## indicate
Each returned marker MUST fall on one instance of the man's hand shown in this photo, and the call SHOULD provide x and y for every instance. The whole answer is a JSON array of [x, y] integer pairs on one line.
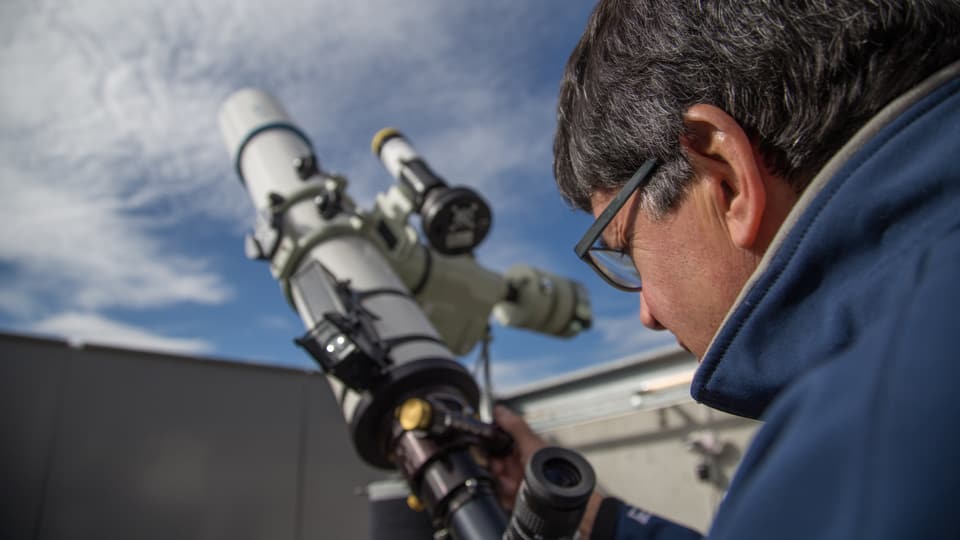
[[508, 470]]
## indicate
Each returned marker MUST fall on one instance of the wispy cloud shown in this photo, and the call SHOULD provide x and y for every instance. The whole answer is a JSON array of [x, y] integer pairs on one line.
[[508, 374], [109, 138], [501, 255], [111, 156], [78, 249], [279, 322], [89, 328], [626, 335]]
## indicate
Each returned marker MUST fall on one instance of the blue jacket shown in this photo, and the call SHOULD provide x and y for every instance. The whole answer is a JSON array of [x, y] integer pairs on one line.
[[844, 344]]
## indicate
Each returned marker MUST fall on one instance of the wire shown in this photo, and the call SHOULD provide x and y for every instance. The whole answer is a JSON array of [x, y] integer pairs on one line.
[[486, 395]]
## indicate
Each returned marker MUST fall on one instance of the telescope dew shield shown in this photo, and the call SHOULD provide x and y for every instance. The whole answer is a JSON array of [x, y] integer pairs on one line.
[[338, 282], [455, 220], [252, 115]]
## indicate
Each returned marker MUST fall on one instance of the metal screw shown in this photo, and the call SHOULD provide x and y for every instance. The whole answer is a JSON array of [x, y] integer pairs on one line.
[[306, 166]]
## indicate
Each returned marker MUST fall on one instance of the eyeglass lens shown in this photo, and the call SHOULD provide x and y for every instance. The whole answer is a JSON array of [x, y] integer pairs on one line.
[[617, 266]]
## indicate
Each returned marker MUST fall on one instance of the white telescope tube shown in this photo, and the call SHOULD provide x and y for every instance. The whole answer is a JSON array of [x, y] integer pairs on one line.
[[316, 254]]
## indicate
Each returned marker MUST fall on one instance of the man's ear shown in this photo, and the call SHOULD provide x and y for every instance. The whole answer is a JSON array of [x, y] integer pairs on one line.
[[722, 155]]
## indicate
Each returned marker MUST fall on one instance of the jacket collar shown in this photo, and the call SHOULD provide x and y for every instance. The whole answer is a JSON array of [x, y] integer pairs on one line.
[[782, 324]]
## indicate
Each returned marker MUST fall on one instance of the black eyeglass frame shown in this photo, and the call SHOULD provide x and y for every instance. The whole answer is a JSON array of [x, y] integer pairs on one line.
[[583, 247]]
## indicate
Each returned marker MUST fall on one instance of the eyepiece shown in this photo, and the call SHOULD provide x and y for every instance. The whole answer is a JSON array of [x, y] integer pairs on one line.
[[557, 484], [561, 473]]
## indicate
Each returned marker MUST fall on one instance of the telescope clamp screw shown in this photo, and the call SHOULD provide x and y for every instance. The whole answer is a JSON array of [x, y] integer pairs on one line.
[[306, 166], [329, 204]]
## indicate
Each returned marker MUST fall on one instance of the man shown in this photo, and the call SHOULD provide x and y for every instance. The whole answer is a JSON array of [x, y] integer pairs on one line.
[[785, 178]]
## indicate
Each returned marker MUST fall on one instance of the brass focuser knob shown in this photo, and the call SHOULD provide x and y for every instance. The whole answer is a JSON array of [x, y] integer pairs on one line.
[[414, 413]]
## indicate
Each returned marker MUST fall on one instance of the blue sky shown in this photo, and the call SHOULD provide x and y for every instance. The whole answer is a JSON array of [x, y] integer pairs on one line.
[[121, 221]]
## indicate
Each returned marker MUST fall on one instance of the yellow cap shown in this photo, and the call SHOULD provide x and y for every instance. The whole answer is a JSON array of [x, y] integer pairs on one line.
[[381, 137], [414, 503], [414, 413]]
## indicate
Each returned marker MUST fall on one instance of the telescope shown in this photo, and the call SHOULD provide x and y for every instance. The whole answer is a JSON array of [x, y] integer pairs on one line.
[[386, 315]]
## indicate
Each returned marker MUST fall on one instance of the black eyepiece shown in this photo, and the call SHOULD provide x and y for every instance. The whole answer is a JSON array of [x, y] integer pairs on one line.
[[557, 484], [561, 473]]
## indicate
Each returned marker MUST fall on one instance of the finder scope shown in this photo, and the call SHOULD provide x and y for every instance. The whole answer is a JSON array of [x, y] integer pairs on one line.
[[455, 220]]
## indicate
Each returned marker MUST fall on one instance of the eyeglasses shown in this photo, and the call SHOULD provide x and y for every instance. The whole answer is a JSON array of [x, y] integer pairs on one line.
[[614, 266]]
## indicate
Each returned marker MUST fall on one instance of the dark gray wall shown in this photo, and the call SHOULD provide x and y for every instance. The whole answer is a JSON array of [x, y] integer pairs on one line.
[[107, 443]]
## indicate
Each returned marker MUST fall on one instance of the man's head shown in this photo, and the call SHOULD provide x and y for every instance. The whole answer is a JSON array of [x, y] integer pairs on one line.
[[740, 103]]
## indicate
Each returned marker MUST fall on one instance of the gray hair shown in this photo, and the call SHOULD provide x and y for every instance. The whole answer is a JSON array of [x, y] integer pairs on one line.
[[799, 76]]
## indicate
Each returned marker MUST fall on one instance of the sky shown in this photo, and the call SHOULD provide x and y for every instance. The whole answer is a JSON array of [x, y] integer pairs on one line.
[[122, 221]]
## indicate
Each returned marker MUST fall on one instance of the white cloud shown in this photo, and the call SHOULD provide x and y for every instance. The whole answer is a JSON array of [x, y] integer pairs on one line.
[[509, 374], [286, 323], [79, 250], [626, 335], [83, 328], [499, 254]]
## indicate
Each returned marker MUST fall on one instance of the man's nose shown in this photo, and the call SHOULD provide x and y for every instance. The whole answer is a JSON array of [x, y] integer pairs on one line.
[[647, 318]]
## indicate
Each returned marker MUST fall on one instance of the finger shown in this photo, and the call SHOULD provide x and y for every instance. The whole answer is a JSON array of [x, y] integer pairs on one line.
[[508, 491], [526, 442], [510, 421]]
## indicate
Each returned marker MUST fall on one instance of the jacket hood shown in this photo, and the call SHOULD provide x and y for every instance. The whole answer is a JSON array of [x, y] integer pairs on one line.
[[835, 259]]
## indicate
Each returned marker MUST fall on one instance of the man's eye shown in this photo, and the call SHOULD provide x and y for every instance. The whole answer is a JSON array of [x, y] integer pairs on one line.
[[607, 247]]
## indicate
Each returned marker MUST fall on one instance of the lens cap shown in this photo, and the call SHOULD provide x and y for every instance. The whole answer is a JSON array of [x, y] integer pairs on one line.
[[455, 220]]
